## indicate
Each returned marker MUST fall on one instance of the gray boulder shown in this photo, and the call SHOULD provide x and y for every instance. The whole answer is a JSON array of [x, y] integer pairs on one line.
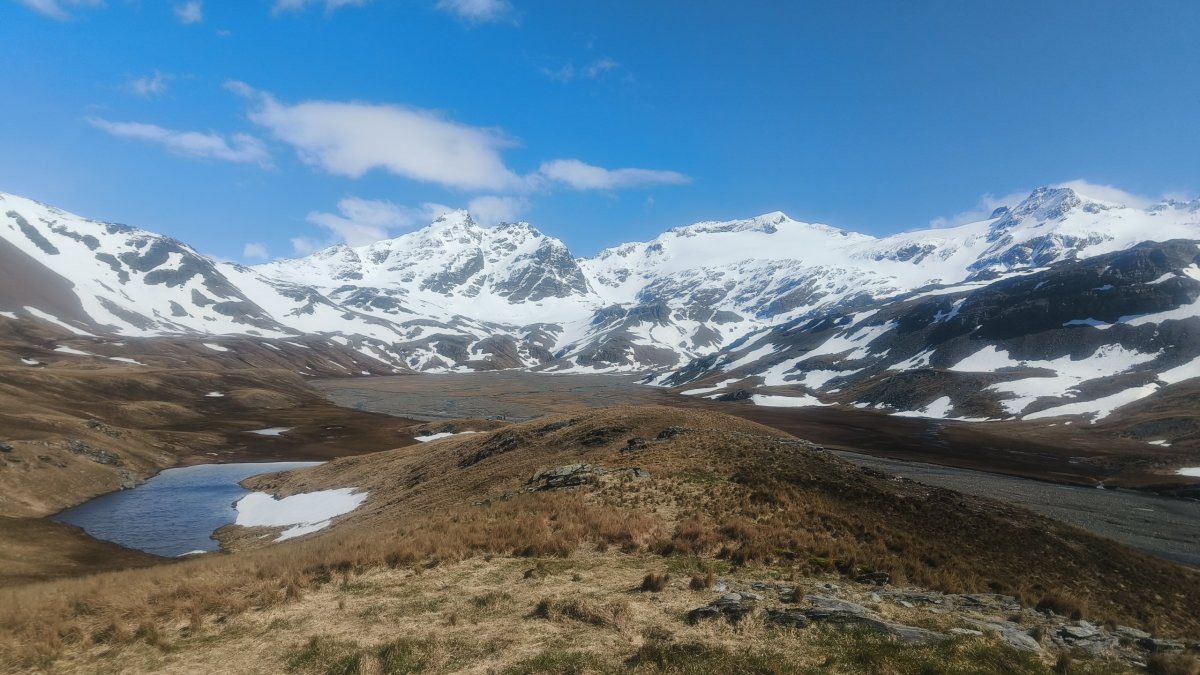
[[732, 609], [1013, 634]]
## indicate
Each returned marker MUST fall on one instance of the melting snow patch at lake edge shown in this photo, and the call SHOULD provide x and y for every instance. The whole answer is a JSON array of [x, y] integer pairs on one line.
[[444, 434], [1190, 471], [301, 514]]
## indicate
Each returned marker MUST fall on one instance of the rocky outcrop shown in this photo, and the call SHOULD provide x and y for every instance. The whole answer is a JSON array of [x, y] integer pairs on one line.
[[957, 616], [576, 475]]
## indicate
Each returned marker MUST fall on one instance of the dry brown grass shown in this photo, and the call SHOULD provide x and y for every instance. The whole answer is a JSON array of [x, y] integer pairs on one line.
[[654, 582], [397, 620], [702, 582], [1063, 604], [725, 490]]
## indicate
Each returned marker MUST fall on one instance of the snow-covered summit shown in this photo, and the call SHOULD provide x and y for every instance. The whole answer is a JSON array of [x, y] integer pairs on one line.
[[455, 294]]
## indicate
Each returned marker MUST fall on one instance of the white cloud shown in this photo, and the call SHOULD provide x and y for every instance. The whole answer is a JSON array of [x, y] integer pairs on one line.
[[350, 139], [346, 230], [477, 11], [154, 85], [988, 203], [564, 74], [582, 176], [491, 210], [305, 245], [364, 221], [599, 67], [299, 5], [591, 71], [1106, 193], [190, 12], [241, 148], [255, 250], [55, 8], [1179, 196], [981, 211]]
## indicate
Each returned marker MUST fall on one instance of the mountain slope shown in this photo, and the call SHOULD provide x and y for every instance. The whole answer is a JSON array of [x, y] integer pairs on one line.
[[1051, 333], [1059, 285]]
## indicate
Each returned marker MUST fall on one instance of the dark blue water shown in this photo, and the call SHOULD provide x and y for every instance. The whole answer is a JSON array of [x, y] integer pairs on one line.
[[173, 513]]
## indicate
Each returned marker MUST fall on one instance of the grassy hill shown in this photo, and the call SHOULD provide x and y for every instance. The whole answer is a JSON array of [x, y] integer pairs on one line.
[[583, 543]]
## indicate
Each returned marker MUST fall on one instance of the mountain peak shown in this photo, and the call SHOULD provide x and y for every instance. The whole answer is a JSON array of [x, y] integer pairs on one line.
[[1042, 205], [454, 218], [767, 223]]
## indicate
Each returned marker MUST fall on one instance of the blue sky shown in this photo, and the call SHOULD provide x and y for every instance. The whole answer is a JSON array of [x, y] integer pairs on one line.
[[291, 124]]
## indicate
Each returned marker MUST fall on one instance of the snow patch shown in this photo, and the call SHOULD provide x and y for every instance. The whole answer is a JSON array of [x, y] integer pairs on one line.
[[57, 321], [69, 350], [1094, 323], [1187, 371], [271, 431], [215, 347], [801, 401], [444, 434], [302, 514], [1098, 408], [750, 357], [708, 390], [939, 408]]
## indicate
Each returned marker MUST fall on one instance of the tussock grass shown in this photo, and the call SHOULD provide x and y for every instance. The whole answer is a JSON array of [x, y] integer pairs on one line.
[[328, 656], [607, 615], [654, 582], [1177, 664], [1063, 604], [702, 582]]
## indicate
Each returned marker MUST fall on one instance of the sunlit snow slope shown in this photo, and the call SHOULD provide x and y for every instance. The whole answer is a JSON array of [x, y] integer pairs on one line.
[[1056, 305]]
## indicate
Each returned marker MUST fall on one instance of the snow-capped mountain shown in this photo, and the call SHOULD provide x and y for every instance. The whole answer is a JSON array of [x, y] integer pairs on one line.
[[780, 307]]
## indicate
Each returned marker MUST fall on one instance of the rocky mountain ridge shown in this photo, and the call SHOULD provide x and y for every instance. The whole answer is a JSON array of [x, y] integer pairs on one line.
[[771, 309]]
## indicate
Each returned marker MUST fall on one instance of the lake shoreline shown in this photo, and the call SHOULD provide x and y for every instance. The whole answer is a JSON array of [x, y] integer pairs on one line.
[[176, 512]]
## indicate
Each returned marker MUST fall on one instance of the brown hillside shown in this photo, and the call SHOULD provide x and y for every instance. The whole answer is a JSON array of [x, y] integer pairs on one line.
[[724, 487]]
